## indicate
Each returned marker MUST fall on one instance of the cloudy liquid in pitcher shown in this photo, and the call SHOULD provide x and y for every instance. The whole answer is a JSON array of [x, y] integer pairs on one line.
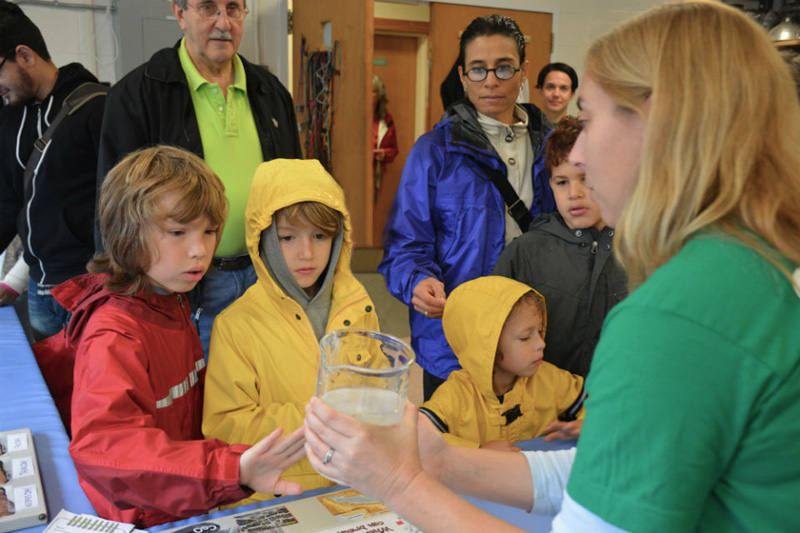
[[374, 406]]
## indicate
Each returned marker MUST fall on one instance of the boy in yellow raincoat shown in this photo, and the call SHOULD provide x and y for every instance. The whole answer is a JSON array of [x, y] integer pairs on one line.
[[504, 392], [264, 351]]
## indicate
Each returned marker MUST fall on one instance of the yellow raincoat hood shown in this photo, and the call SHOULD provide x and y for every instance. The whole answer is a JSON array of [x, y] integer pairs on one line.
[[473, 318], [465, 406], [283, 182]]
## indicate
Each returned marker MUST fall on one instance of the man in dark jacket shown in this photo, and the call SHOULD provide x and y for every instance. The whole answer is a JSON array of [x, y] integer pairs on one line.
[[202, 96], [54, 213]]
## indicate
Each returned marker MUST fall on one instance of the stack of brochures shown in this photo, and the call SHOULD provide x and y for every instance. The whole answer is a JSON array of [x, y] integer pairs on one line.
[[21, 497]]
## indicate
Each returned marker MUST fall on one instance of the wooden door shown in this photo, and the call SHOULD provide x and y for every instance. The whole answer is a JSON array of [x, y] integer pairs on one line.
[[395, 61], [447, 23], [351, 24]]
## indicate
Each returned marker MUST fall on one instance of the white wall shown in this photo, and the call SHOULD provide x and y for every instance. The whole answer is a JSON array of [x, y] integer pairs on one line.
[[82, 35]]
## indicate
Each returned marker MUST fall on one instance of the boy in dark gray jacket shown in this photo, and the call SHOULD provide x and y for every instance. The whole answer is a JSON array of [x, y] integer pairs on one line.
[[567, 256]]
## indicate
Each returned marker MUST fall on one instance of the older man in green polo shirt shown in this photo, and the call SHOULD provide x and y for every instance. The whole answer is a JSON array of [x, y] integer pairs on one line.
[[202, 96]]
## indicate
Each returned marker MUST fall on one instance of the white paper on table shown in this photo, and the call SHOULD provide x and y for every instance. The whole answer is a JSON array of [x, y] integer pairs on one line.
[[67, 522]]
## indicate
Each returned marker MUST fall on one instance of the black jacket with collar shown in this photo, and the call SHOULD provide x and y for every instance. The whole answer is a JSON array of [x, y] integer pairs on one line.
[[152, 105], [54, 217]]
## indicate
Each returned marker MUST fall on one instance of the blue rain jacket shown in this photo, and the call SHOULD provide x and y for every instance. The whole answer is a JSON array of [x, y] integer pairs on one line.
[[447, 220]]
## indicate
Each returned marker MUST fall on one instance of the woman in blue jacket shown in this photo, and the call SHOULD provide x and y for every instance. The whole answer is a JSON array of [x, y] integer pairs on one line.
[[449, 221]]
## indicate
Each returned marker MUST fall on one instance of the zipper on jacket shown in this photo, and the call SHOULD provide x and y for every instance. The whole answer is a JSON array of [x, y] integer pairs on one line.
[[196, 317], [39, 120], [595, 244]]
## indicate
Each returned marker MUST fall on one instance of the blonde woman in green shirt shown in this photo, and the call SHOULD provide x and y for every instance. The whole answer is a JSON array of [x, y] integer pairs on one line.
[[690, 145]]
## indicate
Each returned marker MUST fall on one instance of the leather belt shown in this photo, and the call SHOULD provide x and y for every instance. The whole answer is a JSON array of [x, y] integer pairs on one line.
[[234, 262]]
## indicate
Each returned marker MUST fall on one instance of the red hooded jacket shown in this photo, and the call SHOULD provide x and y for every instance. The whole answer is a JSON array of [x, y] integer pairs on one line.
[[137, 407]]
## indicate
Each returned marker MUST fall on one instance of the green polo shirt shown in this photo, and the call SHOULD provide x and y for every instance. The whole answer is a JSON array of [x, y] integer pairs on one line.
[[230, 143]]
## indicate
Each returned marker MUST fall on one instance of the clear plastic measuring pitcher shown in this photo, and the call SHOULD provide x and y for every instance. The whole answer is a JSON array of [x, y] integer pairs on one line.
[[364, 374]]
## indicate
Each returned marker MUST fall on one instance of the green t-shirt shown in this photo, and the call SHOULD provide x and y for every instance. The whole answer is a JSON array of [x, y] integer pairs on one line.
[[693, 416], [231, 146]]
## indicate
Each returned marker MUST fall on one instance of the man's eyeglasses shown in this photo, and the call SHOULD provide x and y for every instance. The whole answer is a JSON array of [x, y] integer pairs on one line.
[[210, 11], [503, 72]]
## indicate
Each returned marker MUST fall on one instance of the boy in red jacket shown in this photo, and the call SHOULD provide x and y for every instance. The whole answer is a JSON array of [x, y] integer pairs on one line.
[[139, 367]]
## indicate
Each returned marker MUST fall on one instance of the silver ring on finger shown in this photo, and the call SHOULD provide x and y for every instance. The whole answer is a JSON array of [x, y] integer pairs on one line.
[[426, 314], [328, 456]]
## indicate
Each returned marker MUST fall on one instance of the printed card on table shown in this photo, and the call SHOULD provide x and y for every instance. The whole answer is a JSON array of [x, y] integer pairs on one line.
[[22, 502]]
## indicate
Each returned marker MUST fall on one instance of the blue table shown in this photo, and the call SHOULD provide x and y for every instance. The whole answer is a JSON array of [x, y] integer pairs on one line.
[[26, 403], [518, 517]]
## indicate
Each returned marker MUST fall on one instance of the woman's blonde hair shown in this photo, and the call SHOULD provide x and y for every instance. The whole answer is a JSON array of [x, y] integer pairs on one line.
[[129, 207], [380, 88], [721, 145]]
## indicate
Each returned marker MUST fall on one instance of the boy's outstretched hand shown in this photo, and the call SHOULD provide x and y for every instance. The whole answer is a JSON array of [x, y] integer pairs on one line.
[[261, 466], [559, 430]]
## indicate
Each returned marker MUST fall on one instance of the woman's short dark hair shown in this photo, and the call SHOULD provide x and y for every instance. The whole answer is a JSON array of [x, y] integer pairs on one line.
[[557, 67], [489, 25]]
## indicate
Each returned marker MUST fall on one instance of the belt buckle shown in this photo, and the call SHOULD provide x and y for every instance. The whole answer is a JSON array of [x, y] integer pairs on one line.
[[237, 262]]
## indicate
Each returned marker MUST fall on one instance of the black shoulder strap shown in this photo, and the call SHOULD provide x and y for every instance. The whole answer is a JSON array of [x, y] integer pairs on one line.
[[74, 101], [514, 205]]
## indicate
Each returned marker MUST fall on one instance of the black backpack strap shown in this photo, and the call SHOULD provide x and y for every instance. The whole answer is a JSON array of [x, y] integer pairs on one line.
[[74, 101], [514, 205]]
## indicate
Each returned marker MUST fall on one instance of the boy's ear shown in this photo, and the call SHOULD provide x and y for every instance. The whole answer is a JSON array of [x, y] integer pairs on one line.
[[498, 356]]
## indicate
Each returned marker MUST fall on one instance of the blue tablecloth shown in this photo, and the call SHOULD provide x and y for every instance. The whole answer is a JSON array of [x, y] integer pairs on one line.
[[26, 403], [518, 517]]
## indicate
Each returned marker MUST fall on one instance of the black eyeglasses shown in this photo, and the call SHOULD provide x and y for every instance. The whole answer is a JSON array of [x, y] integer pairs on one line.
[[2, 63], [503, 72], [210, 11]]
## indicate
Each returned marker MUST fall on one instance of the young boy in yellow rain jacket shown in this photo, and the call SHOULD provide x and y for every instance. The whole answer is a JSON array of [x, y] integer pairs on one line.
[[264, 350], [504, 392]]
